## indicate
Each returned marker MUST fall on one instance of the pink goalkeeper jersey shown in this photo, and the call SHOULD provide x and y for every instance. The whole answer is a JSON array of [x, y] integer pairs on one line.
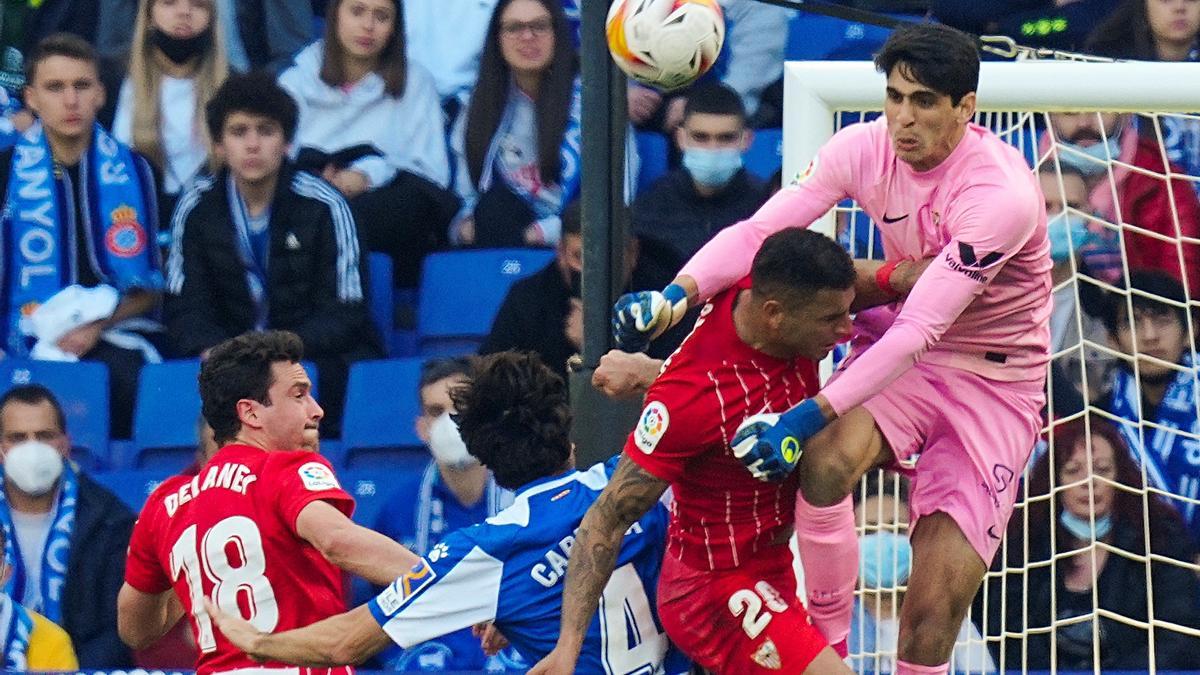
[[984, 303]]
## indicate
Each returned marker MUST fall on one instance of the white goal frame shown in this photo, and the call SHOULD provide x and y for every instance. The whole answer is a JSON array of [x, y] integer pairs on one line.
[[815, 90]]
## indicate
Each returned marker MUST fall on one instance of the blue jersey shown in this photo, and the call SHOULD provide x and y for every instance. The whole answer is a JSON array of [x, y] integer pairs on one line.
[[511, 569]]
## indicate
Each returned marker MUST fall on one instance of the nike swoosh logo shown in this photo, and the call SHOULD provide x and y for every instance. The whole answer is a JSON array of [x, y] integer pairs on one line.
[[897, 219]]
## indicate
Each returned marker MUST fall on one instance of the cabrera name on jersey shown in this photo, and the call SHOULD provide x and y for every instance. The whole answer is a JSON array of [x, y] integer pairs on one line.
[[511, 569]]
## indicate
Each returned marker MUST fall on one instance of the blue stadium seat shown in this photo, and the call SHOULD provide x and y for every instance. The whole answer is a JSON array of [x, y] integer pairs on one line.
[[372, 488], [381, 301], [82, 391], [765, 155], [812, 37], [381, 407], [462, 290], [652, 152], [132, 486], [168, 409]]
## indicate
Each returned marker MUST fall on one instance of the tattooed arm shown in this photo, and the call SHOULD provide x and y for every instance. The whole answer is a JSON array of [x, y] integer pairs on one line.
[[630, 494]]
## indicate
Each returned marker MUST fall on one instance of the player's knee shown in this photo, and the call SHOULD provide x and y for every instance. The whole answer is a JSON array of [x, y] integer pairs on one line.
[[825, 478], [929, 627]]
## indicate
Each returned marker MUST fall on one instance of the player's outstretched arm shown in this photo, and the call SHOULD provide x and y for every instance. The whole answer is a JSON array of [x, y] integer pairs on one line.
[[878, 282], [642, 316], [630, 494], [352, 547], [143, 618], [625, 375], [343, 639]]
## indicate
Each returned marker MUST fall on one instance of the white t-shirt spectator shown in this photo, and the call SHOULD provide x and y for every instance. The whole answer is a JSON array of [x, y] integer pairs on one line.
[[182, 140]]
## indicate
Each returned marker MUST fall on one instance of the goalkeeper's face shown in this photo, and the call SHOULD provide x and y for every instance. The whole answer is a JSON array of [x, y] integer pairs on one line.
[[924, 124]]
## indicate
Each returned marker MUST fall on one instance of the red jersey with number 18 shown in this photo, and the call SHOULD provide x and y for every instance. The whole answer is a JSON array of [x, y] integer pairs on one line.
[[229, 533], [722, 517]]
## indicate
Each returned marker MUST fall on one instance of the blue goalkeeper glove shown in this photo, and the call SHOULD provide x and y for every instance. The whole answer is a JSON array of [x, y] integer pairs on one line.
[[640, 317], [769, 444]]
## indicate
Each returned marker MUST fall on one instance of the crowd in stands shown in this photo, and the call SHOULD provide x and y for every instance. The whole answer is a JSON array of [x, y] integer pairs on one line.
[[177, 172]]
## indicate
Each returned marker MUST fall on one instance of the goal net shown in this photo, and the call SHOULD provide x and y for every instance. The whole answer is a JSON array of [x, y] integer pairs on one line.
[[1099, 569]]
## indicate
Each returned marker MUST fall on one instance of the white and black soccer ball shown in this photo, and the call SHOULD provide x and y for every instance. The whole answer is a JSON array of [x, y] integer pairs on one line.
[[665, 44]]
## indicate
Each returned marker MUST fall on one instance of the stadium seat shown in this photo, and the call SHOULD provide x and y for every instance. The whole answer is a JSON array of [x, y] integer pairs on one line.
[[82, 391], [461, 292], [372, 488], [812, 37], [168, 409], [652, 152], [381, 301], [132, 486], [381, 407], [765, 155]]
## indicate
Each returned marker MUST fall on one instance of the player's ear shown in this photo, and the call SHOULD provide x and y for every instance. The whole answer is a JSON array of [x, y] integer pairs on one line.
[[773, 314], [247, 412], [966, 107]]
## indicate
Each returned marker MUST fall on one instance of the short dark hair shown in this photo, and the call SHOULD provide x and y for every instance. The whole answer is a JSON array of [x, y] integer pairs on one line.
[[714, 99], [1155, 282], [253, 93], [60, 44], [33, 394], [515, 417], [795, 262], [939, 57], [240, 368], [436, 370], [572, 218], [1063, 169]]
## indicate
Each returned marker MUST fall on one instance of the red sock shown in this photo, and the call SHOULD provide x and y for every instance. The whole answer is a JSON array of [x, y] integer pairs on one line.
[[828, 548], [906, 668]]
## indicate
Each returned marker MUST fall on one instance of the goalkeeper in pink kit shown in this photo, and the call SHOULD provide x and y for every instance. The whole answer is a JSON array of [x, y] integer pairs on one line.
[[950, 383]]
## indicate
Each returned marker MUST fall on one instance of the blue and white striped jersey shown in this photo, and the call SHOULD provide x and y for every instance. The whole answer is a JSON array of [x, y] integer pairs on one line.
[[511, 569]]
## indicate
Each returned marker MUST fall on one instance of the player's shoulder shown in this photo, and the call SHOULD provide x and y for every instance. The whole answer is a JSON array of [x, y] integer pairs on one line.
[[159, 494]]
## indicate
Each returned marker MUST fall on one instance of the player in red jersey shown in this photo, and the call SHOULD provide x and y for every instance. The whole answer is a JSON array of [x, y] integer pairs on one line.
[[727, 593], [263, 528]]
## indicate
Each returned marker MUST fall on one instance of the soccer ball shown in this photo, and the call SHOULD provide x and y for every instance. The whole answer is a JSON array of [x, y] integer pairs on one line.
[[665, 44]]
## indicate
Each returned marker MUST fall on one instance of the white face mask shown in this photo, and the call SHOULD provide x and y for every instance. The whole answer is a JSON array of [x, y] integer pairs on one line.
[[447, 445], [33, 467]]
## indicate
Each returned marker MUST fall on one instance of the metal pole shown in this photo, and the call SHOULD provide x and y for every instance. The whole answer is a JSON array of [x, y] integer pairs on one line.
[[600, 424]]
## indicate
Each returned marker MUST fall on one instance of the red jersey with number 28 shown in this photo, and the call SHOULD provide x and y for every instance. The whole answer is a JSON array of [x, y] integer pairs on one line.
[[229, 533], [722, 517]]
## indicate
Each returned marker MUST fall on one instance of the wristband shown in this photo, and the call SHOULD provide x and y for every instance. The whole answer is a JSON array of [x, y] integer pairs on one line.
[[883, 277]]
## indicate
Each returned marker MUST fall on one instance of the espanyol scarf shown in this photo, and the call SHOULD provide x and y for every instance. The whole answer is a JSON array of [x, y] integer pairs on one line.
[[58, 546], [33, 229], [1172, 460], [431, 523], [256, 272], [16, 627]]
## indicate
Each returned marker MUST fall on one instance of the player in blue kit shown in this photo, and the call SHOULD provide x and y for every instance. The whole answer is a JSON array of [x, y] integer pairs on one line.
[[514, 417]]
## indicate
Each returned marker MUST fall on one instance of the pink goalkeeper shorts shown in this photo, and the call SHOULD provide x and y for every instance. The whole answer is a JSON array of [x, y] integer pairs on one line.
[[970, 438]]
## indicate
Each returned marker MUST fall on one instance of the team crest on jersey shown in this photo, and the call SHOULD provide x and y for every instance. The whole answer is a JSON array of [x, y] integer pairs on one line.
[[651, 426], [807, 173], [316, 477], [767, 656], [403, 589]]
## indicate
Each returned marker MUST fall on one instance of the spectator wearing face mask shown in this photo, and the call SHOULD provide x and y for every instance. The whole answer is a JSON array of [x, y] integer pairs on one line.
[[455, 492], [884, 563], [66, 535], [686, 207], [1095, 142]]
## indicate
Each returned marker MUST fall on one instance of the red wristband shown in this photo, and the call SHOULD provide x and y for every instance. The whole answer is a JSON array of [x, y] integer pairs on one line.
[[883, 277]]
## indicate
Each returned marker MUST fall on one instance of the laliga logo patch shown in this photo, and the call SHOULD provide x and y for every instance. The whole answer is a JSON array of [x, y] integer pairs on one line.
[[651, 427], [806, 173], [316, 476], [125, 238], [791, 449]]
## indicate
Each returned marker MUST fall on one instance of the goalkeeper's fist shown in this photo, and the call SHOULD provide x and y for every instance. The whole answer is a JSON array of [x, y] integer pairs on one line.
[[769, 445], [640, 317]]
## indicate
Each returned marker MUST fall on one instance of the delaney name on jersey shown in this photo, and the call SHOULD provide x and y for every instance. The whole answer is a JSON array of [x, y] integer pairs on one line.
[[236, 477]]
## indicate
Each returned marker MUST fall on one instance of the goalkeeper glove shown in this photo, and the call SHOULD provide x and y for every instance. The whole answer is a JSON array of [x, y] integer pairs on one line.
[[640, 317], [769, 444]]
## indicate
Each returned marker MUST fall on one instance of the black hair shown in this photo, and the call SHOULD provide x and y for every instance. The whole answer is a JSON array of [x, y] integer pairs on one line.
[[515, 417], [436, 370], [714, 99], [60, 44], [572, 218], [940, 57], [240, 368], [1064, 169], [552, 108], [1155, 282], [34, 394], [794, 262], [253, 93]]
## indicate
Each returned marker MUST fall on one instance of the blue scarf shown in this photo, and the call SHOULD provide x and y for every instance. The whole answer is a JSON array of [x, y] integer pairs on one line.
[[58, 546], [34, 229], [256, 274], [432, 525], [16, 626], [1172, 460]]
